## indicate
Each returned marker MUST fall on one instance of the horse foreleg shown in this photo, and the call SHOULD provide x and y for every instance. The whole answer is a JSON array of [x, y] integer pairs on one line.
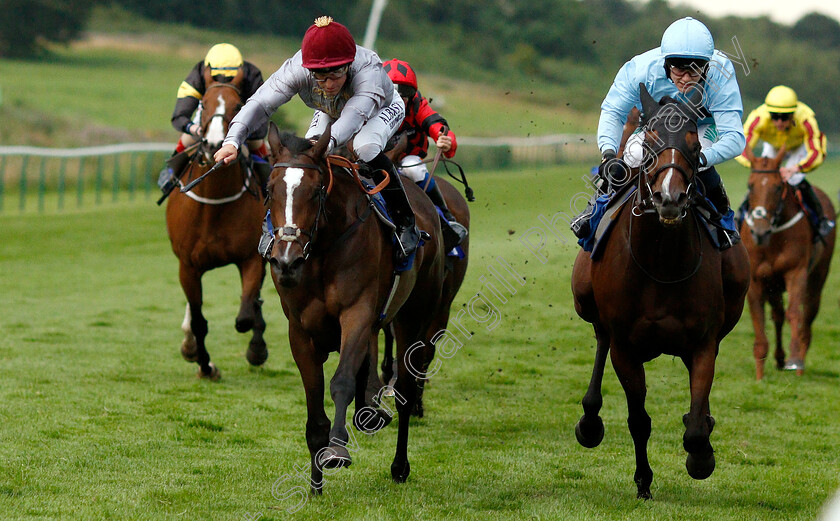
[[369, 416], [755, 298], [195, 325], [252, 273], [631, 374], [777, 308], [699, 423], [795, 282], [590, 428], [355, 336], [311, 366]]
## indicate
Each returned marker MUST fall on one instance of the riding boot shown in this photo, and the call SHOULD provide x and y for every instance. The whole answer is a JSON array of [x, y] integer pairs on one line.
[[453, 231], [398, 204], [720, 201], [580, 225], [809, 197]]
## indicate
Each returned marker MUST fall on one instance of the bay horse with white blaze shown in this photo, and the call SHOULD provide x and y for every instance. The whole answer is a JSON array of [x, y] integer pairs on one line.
[[333, 267], [216, 224], [784, 258], [660, 287]]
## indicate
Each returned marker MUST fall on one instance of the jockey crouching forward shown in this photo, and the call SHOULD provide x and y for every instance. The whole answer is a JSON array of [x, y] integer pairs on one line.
[[421, 123], [783, 120], [686, 60], [347, 86], [225, 62]]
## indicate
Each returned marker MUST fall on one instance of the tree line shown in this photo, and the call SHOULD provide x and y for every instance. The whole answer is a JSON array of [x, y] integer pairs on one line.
[[578, 44]]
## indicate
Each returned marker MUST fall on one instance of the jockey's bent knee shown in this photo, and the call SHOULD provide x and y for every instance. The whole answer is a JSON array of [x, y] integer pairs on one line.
[[367, 151], [413, 168]]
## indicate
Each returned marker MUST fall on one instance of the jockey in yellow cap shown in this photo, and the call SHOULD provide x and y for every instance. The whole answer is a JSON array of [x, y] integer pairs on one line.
[[225, 62], [784, 120]]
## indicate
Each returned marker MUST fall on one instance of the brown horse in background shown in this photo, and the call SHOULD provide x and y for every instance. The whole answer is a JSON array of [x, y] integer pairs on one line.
[[216, 224], [455, 271], [333, 267], [784, 257], [660, 287]]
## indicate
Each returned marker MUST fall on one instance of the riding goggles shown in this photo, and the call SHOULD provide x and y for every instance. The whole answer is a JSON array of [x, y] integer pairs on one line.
[[406, 91], [322, 75], [780, 116]]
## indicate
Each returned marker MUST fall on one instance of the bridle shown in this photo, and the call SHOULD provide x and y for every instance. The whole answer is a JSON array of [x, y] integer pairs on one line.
[[292, 234], [760, 212], [672, 141]]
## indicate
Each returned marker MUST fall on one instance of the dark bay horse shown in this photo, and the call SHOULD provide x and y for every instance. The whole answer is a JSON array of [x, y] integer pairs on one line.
[[455, 271], [660, 287], [216, 224], [333, 267], [784, 258]]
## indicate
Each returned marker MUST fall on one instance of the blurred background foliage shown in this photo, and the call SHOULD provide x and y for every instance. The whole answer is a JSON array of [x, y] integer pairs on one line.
[[573, 46]]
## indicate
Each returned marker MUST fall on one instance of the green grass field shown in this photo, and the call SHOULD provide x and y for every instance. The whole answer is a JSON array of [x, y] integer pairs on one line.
[[102, 419]]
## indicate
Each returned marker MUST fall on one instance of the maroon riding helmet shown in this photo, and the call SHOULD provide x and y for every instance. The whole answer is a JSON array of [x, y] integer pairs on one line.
[[327, 44]]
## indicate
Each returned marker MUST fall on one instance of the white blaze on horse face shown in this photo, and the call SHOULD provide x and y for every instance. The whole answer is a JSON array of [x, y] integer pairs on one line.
[[666, 184], [292, 179], [216, 130]]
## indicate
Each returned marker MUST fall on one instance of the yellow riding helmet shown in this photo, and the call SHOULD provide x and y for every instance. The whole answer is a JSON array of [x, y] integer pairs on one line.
[[781, 100], [223, 58]]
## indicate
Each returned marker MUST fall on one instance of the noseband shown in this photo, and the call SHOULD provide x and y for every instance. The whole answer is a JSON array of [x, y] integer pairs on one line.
[[760, 212], [293, 233]]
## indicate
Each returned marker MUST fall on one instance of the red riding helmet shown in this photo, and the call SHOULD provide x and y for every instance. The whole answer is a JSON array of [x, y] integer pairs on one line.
[[327, 44], [400, 73]]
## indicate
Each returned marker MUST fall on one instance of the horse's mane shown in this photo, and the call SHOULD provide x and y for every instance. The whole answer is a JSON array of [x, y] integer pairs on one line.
[[296, 145]]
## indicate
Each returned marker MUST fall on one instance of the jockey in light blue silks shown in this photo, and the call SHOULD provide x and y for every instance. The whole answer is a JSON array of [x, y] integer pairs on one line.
[[686, 60]]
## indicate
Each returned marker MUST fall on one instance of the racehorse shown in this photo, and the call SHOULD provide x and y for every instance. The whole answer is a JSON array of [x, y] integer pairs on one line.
[[660, 287], [455, 271], [216, 224], [333, 267], [783, 257]]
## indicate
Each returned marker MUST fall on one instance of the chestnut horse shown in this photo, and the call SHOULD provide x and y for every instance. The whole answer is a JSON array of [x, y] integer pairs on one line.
[[784, 257], [333, 267], [660, 287], [216, 224]]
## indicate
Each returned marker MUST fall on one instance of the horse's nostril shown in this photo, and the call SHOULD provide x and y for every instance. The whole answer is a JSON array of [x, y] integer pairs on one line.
[[657, 198], [682, 199], [275, 263]]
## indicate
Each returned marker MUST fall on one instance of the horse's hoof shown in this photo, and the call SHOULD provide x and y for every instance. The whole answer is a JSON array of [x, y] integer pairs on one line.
[[256, 354], [795, 365], [643, 494], [399, 473], [372, 423], [334, 457], [244, 324], [212, 373], [189, 349], [591, 433], [418, 408], [700, 466]]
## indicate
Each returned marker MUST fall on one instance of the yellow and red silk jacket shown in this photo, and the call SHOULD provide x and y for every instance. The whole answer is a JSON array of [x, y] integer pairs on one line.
[[803, 129]]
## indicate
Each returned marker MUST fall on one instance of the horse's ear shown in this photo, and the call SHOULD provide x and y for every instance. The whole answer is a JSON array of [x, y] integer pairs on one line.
[[239, 79], [649, 105], [320, 148], [695, 99], [781, 155], [208, 79], [274, 139]]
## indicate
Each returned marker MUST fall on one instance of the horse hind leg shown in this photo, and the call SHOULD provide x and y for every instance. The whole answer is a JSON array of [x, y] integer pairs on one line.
[[589, 430], [194, 326], [778, 313], [250, 318]]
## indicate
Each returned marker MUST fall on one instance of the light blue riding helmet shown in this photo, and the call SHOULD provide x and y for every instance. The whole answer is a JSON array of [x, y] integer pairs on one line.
[[687, 38]]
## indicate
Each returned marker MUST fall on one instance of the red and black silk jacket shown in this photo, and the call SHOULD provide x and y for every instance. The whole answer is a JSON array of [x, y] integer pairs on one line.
[[421, 122]]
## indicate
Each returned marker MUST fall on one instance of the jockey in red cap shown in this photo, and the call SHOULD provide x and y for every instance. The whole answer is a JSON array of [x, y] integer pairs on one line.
[[348, 88], [422, 122]]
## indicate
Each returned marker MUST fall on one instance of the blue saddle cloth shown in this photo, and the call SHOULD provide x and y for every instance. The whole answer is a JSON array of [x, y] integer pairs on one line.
[[609, 203], [381, 211]]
